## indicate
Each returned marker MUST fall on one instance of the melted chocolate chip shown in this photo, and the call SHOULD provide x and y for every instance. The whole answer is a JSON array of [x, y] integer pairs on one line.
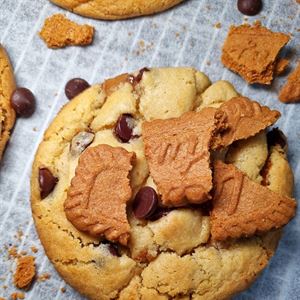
[[47, 182], [159, 213], [276, 137], [23, 102], [134, 80], [145, 203], [75, 86], [112, 248], [249, 7], [124, 128]]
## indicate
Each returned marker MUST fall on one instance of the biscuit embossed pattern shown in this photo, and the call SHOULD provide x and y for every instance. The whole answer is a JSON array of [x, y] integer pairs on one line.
[[157, 250], [184, 36]]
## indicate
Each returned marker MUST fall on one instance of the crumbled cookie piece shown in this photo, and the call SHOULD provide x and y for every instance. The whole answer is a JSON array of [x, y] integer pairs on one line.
[[251, 51], [98, 194], [25, 272], [290, 92], [178, 154], [17, 295], [281, 66], [59, 32], [245, 118], [242, 207]]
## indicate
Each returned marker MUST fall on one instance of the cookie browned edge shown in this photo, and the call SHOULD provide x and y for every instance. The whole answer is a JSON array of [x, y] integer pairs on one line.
[[268, 242], [7, 86], [115, 10]]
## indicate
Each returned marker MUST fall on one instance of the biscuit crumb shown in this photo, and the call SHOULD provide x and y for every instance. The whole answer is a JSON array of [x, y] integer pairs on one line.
[[17, 295], [281, 66], [218, 25], [63, 290], [34, 249], [59, 32], [25, 272], [252, 51], [13, 252], [290, 92], [44, 277]]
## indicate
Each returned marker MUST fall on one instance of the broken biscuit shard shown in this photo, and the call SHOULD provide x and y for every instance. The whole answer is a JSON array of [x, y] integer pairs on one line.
[[290, 92], [245, 118], [252, 52], [98, 194], [242, 207], [59, 32], [178, 154]]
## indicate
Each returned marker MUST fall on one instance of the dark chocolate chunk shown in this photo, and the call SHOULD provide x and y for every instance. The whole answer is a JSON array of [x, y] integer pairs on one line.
[[134, 80], [145, 203], [47, 182], [276, 137], [23, 102], [124, 128], [75, 86], [249, 7]]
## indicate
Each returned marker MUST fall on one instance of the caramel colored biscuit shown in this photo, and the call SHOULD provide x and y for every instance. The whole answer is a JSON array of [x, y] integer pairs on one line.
[[99, 192], [7, 86], [25, 272], [242, 207], [281, 66], [115, 9], [245, 118], [251, 51], [290, 92], [178, 153], [59, 32]]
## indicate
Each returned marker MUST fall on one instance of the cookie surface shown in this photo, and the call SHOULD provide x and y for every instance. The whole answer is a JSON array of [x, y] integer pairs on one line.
[[115, 9], [7, 86], [171, 257]]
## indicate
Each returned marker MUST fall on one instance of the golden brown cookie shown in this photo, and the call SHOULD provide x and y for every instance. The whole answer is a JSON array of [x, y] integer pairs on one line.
[[115, 9], [59, 32], [290, 92], [7, 86], [170, 254], [252, 51]]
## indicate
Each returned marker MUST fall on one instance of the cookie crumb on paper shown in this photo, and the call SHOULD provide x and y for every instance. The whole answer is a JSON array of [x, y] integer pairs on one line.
[[17, 295], [44, 277], [59, 32], [25, 272]]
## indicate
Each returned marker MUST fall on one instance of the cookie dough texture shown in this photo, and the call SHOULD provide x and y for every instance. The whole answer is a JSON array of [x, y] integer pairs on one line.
[[173, 257], [115, 9], [7, 86]]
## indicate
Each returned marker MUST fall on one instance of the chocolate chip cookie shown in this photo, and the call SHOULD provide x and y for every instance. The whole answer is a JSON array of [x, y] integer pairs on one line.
[[7, 86], [114, 10], [127, 185]]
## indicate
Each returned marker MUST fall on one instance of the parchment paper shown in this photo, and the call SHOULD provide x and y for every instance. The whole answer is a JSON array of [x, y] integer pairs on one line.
[[183, 36]]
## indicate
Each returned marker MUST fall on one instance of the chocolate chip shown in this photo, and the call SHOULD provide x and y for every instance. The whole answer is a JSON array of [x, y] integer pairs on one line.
[[124, 128], [75, 86], [23, 102], [112, 248], [80, 141], [159, 213], [276, 137], [145, 203], [134, 80], [249, 7], [47, 182]]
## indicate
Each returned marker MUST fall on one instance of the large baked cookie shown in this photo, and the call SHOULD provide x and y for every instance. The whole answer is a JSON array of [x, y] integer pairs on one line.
[[115, 9], [112, 238], [7, 86]]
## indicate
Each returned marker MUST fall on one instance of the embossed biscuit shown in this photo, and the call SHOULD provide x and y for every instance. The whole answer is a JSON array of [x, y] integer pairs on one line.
[[290, 92], [116, 9], [242, 207], [251, 51], [245, 118], [7, 86], [178, 154], [99, 192]]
